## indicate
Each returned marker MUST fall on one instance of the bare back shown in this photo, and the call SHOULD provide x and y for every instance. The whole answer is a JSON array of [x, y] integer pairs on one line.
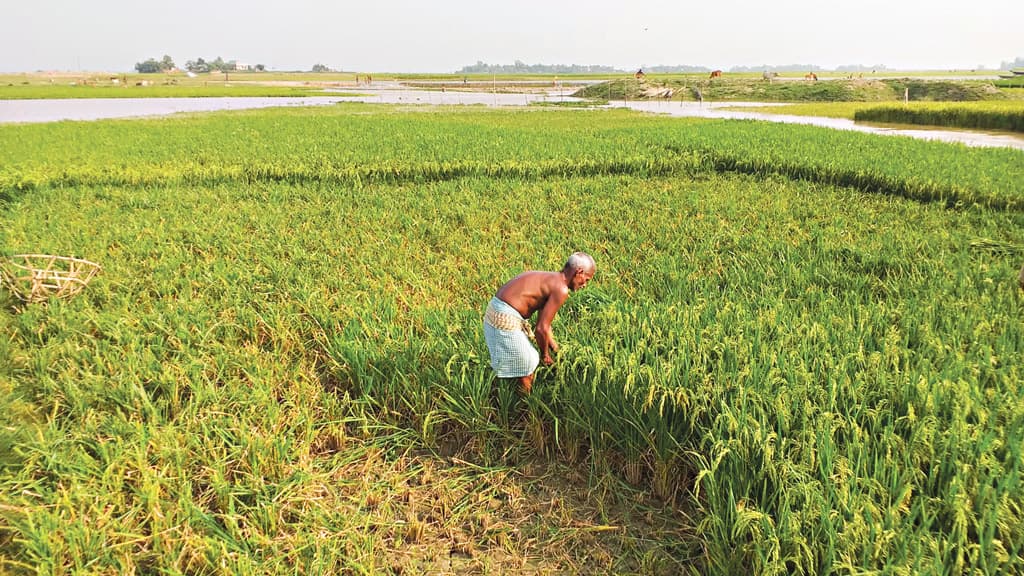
[[530, 291]]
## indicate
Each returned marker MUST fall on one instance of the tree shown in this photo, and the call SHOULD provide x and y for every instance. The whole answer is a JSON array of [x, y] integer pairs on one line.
[[260, 67], [150, 66], [320, 68], [197, 65]]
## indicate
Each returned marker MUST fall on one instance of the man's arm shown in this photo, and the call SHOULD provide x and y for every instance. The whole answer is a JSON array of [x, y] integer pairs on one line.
[[545, 339]]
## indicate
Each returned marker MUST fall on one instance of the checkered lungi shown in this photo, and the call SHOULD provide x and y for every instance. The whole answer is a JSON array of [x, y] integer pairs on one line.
[[508, 340]]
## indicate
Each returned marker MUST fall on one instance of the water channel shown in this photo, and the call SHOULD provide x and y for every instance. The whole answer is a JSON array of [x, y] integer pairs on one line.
[[722, 110], [32, 111]]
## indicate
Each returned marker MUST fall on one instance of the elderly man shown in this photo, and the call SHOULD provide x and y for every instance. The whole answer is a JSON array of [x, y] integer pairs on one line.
[[507, 329]]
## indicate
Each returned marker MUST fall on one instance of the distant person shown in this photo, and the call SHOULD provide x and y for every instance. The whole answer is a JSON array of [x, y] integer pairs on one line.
[[506, 324]]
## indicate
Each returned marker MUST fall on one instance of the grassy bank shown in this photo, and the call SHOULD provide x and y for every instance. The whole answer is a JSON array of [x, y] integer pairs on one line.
[[793, 90], [1017, 82], [802, 348], [948, 115]]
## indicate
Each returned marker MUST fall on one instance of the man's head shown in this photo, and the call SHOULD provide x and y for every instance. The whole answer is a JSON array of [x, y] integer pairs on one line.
[[578, 270]]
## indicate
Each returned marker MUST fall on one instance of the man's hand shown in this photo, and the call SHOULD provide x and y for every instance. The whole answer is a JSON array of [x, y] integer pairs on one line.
[[548, 361], [554, 345]]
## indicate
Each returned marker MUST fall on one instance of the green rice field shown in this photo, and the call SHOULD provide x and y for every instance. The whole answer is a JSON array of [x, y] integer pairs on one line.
[[802, 352], [1009, 118], [1004, 115]]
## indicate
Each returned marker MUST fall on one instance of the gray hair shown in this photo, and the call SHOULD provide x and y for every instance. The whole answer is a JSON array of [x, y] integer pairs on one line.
[[580, 261]]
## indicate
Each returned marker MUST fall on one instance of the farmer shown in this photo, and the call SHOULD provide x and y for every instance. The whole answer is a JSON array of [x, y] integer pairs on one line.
[[507, 329]]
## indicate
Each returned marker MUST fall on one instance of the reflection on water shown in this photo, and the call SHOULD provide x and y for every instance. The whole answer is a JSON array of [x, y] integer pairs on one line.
[[101, 108]]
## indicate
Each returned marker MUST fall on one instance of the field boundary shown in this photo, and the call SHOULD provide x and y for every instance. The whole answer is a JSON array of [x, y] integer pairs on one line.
[[681, 159], [951, 196]]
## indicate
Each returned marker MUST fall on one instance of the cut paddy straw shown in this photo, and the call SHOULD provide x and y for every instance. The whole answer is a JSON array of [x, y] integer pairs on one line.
[[38, 277]]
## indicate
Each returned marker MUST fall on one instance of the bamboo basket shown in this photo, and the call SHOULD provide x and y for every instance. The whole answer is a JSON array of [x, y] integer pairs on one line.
[[38, 277]]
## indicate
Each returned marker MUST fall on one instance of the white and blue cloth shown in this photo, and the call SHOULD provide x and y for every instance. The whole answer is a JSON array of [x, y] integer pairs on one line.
[[508, 341]]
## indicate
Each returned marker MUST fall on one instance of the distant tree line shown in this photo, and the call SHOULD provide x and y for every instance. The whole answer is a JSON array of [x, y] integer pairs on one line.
[[216, 65], [1017, 63], [860, 68], [807, 68], [780, 68], [679, 69], [522, 68], [152, 65], [166, 64]]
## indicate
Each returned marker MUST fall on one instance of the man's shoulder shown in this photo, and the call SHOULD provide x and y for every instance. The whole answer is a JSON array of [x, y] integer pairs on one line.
[[542, 282], [555, 284], [542, 276]]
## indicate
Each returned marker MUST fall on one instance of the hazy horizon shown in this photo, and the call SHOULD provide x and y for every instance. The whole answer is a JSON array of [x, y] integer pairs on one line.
[[404, 36]]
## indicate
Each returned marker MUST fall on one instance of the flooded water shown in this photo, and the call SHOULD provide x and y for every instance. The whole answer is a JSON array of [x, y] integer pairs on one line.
[[458, 97], [722, 110], [19, 111], [54, 110]]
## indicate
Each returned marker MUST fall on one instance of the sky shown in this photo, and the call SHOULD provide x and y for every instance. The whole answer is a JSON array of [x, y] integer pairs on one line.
[[445, 35]]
